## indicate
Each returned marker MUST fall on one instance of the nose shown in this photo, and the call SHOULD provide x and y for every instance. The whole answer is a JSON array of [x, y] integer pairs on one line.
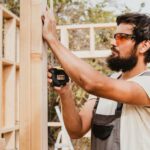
[[113, 42]]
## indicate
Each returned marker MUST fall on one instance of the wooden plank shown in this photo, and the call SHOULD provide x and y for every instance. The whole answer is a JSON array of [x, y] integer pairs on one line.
[[33, 60], [9, 95], [17, 44], [64, 37], [9, 39], [87, 26], [93, 54], [8, 14], [9, 140], [1, 102], [9, 129], [1, 32], [2, 144], [17, 97], [39, 80], [25, 99], [7, 62], [92, 39], [17, 140], [54, 124]]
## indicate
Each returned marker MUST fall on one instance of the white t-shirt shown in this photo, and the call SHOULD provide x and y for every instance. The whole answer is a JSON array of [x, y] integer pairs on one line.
[[135, 120]]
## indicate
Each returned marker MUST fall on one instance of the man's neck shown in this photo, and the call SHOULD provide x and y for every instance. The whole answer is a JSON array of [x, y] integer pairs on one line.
[[135, 71]]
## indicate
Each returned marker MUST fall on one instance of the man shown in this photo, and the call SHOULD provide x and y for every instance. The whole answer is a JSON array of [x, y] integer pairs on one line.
[[121, 119]]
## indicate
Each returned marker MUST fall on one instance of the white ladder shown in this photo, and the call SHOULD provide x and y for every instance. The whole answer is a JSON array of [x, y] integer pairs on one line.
[[63, 140]]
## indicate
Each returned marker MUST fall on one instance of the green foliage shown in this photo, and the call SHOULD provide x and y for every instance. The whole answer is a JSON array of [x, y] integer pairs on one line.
[[103, 38], [14, 6], [98, 15], [73, 12]]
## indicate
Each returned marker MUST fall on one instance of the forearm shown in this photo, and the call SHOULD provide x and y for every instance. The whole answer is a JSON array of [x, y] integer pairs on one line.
[[81, 72], [72, 120]]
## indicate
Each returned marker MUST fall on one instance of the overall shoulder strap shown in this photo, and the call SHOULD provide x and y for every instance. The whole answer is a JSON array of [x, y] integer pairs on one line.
[[147, 73], [96, 104]]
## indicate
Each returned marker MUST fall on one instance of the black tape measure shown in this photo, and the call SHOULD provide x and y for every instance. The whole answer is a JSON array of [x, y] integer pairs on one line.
[[59, 77]]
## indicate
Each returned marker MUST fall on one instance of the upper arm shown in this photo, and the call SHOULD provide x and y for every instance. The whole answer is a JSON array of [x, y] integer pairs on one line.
[[131, 92], [86, 114]]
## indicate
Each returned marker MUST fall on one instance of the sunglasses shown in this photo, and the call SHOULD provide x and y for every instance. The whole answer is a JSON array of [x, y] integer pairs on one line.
[[123, 37]]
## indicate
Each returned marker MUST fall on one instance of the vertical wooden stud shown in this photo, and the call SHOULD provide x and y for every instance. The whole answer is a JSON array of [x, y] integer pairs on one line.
[[64, 37], [1, 32], [17, 44], [33, 78], [1, 92], [92, 39]]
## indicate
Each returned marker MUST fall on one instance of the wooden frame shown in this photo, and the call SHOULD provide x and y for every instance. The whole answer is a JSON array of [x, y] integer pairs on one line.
[[23, 75], [9, 129], [91, 52]]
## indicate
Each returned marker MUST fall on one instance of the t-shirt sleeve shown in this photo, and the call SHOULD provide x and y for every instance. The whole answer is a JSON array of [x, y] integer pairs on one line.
[[144, 82], [91, 97]]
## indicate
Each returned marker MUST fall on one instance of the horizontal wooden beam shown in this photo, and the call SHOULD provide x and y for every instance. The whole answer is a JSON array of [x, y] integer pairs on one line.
[[9, 129], [87, 26], [7, 62], [8, 14], [54, 124], [92, 54]]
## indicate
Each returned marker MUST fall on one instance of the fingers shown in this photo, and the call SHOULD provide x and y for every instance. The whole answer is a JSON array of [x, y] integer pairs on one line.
[[49, 75], [51, 14], [49, 80], [47, 8], [43, 18], [57, 88]]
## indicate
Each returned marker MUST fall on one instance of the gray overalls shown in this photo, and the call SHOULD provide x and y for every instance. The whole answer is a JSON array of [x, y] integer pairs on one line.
[[106, 130]]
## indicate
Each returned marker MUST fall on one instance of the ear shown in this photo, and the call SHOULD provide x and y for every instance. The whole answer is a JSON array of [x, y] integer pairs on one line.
[[144, 46]]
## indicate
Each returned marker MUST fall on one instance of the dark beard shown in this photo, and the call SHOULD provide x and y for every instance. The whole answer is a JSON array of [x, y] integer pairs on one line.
[[122, 64]]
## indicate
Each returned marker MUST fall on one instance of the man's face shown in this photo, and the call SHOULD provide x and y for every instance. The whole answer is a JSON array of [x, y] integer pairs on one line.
[[123, 57]]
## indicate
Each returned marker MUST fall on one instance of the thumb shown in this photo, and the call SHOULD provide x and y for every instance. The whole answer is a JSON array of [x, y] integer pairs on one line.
[[57, 88], [51, 14]]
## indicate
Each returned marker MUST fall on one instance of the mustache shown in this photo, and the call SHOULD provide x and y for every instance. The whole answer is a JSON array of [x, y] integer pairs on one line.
[[114, 49]]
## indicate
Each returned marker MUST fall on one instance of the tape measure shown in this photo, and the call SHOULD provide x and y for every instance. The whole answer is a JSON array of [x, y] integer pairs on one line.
[[59, 77]]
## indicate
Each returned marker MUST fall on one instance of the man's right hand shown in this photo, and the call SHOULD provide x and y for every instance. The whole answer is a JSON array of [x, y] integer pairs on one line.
[[62, 91]]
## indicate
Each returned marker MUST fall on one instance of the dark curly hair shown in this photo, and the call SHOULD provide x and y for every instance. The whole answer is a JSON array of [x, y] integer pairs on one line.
[[141, 28]]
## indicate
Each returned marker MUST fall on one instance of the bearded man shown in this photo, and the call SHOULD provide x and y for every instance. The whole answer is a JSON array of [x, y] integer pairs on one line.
[[120, 118]]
